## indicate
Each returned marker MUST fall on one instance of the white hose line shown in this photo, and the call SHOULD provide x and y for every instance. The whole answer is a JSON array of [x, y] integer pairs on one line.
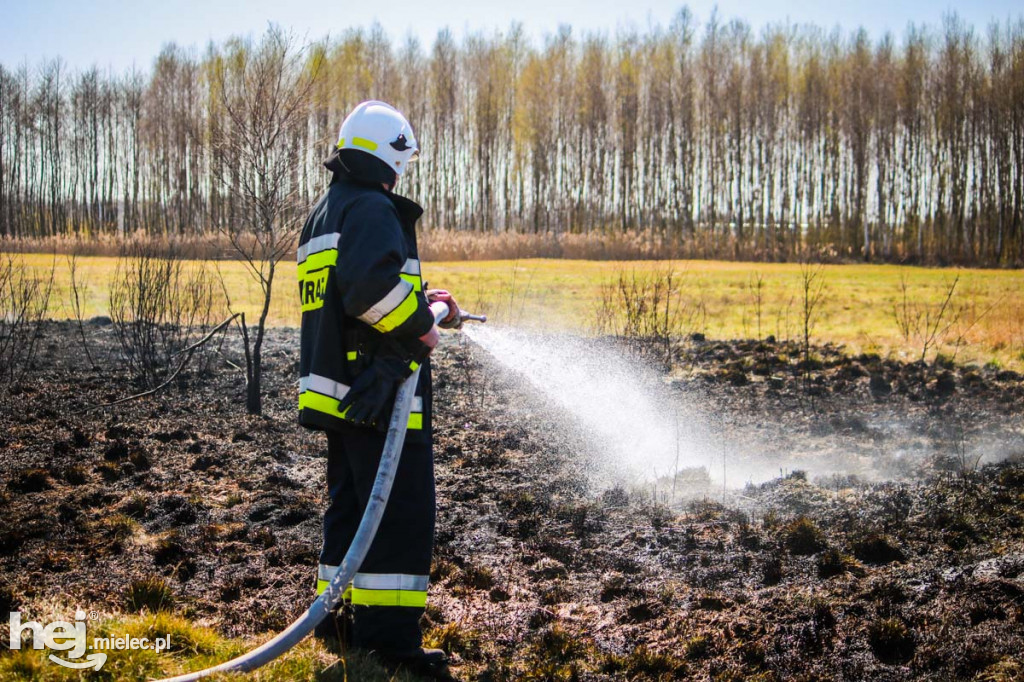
[[323, 604]]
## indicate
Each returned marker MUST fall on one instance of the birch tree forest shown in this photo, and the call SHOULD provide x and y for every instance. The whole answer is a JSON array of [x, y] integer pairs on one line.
[[729, 141]]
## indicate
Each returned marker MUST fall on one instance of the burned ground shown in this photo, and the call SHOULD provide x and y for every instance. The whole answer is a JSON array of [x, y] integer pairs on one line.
[[182, 501]]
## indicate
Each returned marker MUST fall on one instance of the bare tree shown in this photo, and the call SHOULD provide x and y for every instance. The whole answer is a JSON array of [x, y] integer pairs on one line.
[[78, 290], [263, 91], [24, 300], [755, 286], [157, 303], [812, 288], [927, 323]]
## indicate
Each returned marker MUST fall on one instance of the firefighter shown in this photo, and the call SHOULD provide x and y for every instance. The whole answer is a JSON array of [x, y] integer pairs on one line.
[[366, 327]]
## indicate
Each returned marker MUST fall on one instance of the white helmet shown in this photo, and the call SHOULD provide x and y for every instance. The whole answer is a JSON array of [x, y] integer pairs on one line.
[[380, 130]]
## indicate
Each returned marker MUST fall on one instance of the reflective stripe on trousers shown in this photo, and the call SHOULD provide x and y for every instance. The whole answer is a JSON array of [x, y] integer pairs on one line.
[[379, 589], [323, 395], [324, 575], [389, 591]]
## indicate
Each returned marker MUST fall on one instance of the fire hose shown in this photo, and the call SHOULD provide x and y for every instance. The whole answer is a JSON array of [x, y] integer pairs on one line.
[[330, 597]]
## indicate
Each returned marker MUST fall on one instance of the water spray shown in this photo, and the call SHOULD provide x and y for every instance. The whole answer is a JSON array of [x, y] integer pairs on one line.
[[621, 409], [330, 597]]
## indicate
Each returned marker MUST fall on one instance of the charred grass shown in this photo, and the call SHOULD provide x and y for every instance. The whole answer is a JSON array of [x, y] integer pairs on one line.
[[179, 510]]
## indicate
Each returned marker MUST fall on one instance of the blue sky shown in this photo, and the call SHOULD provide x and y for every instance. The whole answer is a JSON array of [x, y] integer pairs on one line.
[[118, 33]]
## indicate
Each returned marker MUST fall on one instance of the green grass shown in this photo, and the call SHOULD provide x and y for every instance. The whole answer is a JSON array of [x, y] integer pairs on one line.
[[192, 648], [856, 308]]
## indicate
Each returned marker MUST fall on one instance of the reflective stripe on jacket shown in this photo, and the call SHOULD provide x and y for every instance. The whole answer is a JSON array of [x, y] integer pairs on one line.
[[360, 288]]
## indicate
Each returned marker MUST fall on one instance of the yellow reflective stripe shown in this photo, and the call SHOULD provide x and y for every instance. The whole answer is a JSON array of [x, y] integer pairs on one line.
[[413, 598], [311, 290], [386, 305], [359, 142], [321, 585], [364, 143], [351, 355], [313, 275], [311, 400], [399, 315], [318, 260], [415, 280], [414, 365]]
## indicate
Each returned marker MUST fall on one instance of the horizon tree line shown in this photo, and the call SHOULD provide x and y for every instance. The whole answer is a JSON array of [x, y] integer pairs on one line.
[[714, 138]]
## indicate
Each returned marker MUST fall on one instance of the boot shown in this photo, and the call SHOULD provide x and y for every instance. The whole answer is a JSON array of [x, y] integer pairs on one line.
[[431, 664]]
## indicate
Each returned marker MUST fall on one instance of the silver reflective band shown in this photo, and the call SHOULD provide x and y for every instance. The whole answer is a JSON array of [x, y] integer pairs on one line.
[[323, 386], [317, 244], [411, 267], [385, 305], [336, 389], [327, 572], [390, 581]]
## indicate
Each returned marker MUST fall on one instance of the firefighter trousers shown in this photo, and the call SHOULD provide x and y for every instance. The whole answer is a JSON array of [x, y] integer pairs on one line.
[[389, 592]]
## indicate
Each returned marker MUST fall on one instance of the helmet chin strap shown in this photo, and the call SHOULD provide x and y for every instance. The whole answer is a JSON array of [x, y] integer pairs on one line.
[[341, 160]]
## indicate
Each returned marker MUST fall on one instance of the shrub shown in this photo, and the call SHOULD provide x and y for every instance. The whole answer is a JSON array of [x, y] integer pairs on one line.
[[24, 299], [157, 303], [30, 481], [120, 527], [771, 573], [832, 562], [169, 549], [149, 594], [76, 475], [642, 663], [698, 647], [455, 639], [477, 577], [878, 550], [556, 593], [136, 505], [1012, 477], [650, 309], [557, 644], [891, 640], [802, 537]]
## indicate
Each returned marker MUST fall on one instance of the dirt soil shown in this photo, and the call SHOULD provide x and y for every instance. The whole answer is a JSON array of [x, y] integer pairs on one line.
[[538, 572]]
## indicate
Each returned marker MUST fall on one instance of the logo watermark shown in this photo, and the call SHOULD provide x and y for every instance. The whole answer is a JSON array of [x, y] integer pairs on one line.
[[69, 637]]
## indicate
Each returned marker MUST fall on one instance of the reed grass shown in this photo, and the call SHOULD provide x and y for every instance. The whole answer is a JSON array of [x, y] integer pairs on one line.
[[558, 294]]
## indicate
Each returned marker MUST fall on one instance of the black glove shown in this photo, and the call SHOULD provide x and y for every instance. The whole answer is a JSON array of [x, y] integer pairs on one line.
[[372, 394]]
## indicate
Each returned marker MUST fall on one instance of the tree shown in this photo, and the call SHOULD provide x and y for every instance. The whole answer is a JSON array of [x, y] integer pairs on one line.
[[263, 91], [717, 142]]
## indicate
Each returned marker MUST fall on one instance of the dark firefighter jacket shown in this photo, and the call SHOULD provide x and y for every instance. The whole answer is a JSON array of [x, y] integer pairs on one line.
[[361, 295]]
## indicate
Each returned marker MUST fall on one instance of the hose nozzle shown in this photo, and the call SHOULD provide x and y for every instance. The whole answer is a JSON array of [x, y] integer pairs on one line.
[[441, 311]]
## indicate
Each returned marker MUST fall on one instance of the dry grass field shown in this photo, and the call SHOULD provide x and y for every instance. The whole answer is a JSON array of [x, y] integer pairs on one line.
[[983, 322]]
